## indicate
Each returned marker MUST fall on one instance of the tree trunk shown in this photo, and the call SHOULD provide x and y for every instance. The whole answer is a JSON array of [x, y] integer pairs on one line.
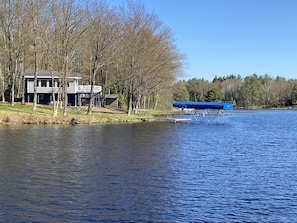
[[64, 87], [12, 89], [3, 84], [130, 98], [11, 75], [36, 68], [156, 101], [92, 92], [35, 90], [23, 88], [55, 105], [104, 83], [144, 102], [64, 95], [149, 101], [23, 79]]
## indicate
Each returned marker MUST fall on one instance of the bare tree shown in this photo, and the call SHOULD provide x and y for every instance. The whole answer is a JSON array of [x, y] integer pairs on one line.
[[267, 88], [7, 24], [36, 19], [149, 59], [69, 24], [99, 47], [2, 80], [129, 50]]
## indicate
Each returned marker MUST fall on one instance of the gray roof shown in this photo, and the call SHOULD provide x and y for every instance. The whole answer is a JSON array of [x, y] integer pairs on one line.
[[48, 74]]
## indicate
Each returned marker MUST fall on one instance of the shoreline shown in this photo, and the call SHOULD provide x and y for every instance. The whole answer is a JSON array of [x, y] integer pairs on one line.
[[43, 115]]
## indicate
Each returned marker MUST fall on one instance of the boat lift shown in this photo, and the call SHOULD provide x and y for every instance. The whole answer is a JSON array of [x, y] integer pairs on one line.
[[199, 111]]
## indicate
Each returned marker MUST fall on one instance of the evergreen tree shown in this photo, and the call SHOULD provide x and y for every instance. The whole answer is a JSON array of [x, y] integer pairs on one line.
[[214, 95]]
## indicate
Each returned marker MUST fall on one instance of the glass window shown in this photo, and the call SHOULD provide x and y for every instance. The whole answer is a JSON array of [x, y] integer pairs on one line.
[[43, 83]]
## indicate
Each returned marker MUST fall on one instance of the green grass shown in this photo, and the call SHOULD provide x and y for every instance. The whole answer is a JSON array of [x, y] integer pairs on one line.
[[24, 114]]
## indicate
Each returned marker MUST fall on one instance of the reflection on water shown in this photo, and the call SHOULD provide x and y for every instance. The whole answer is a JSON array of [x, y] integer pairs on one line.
[[241, 170]]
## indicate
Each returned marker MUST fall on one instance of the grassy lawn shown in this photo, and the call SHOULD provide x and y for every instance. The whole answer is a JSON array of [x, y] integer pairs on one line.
[[24, 114]]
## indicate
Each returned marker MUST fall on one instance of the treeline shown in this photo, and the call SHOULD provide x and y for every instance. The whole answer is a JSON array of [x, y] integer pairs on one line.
[[250, 92], [127, 50]]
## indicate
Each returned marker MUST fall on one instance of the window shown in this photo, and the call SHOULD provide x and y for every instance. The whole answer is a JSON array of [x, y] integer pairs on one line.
[[43, 83], [50, 83]]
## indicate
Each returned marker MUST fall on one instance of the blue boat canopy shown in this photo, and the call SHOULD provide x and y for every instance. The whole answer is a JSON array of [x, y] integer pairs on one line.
[[202, 105]]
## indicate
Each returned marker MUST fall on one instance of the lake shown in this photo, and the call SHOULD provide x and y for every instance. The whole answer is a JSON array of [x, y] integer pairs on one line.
[[243, 169]]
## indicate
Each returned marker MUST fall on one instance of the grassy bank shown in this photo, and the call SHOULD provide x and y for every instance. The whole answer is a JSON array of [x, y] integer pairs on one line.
[[24, 114]]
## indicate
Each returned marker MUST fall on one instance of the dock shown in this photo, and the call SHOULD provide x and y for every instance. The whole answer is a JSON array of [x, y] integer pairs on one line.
[[176, 120]]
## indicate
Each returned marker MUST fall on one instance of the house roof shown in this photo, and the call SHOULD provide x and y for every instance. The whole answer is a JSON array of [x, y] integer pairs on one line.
[[47, 74]]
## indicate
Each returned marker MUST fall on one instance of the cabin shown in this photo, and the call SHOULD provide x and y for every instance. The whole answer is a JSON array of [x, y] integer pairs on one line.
[[48, 82]]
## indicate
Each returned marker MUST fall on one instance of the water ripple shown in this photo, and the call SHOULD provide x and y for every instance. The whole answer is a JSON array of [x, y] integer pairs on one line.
[[240, 171]]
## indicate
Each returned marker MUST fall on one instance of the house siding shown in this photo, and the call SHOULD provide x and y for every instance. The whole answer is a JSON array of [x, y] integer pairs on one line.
[[45, 88]]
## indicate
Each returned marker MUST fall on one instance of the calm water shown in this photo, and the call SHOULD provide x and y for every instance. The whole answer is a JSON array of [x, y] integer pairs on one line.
[[241, 170]]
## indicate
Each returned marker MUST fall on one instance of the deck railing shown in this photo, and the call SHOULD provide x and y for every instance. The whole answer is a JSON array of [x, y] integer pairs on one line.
[[87, 88]]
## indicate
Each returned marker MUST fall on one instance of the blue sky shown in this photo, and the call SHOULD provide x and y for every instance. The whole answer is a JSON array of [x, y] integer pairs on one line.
[[223, 37]]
